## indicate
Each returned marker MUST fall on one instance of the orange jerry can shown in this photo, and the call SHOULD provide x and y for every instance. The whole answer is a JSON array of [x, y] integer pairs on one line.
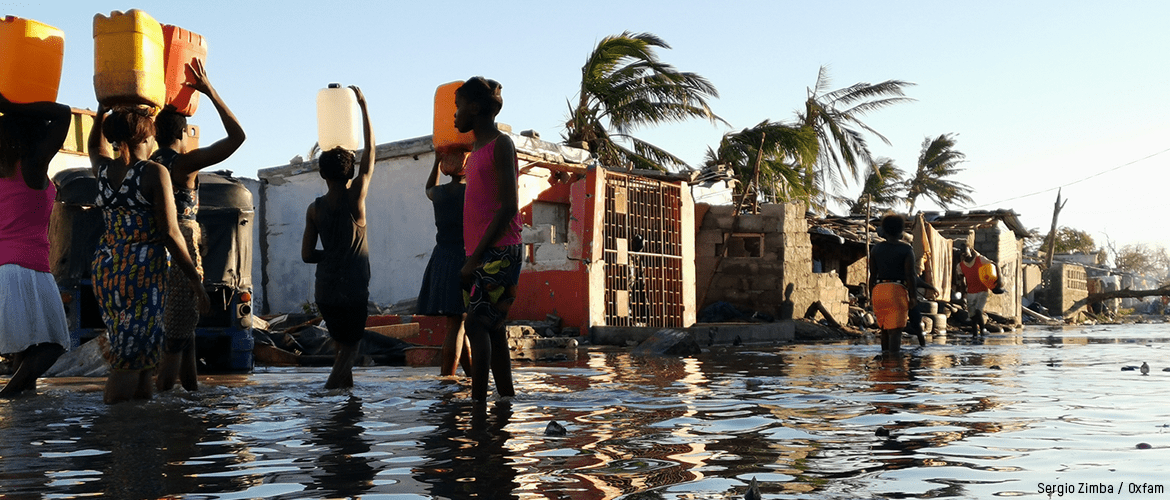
[[128, 59], [181, 47], [446, 138], [30, 70]]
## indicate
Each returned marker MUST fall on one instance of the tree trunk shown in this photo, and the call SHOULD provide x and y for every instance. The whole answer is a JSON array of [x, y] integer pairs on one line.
[[1121, 294], [1051, 243]]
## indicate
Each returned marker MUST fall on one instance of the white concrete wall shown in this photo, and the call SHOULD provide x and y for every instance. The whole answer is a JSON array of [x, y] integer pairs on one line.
[[400, 232]]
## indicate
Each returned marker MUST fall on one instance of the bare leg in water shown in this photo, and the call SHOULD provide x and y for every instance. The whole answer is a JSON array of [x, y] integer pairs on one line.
[[127, 385], [891, 341], [178, 365], [188, 371], [456, 348], [342, 375], [30, 365], [490, 348]]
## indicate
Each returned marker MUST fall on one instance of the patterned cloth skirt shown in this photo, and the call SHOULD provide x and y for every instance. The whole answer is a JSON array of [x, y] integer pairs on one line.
[[441, 294], [182, 307], [129, 276], [31, 310]]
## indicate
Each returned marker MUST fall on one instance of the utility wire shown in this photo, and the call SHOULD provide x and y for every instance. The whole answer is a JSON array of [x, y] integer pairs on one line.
[[1098, 174]]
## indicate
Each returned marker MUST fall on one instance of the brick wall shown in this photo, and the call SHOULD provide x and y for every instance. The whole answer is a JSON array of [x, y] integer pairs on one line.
[[1000, 244], [765, 253], [1067, 283]]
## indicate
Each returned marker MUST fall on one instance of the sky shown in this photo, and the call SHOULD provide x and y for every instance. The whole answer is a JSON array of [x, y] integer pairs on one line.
[[1040, 94]]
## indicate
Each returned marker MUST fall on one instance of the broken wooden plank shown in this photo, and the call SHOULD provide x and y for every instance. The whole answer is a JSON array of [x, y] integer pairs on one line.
[[399, 331]]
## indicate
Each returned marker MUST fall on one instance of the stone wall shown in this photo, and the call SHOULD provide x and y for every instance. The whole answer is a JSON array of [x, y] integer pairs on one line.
[[1067, 283], [1032, 279], [765, 253]]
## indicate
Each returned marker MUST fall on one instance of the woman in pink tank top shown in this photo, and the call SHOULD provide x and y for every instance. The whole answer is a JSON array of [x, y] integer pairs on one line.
[[33, 332], [491, 235]]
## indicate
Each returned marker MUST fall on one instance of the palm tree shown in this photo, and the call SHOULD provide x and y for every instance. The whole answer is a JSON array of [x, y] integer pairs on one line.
[[836, 118], [883, 188], [624, 86], [939, 159], [784, 152]]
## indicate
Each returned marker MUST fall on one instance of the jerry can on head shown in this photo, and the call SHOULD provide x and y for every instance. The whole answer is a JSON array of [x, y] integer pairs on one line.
[[30, 69], [128, 59]]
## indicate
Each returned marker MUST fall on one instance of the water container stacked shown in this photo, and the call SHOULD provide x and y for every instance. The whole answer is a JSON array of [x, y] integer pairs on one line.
[[181, 47], [128, 59]]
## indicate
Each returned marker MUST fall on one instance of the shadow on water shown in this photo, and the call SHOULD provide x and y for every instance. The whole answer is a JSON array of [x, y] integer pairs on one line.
[[1001, 415], [467, 454]]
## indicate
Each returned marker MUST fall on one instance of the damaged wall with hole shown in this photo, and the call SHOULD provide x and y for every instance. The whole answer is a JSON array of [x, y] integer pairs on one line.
[[751, 259]]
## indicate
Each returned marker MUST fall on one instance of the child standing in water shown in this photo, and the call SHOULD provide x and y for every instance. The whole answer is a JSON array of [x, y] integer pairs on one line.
[[491, 234], [440, 294], [178, 360], [343, 264]]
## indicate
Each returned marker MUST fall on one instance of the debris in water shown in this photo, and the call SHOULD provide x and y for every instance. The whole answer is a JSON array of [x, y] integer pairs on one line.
[[753, 491], [554, 429]]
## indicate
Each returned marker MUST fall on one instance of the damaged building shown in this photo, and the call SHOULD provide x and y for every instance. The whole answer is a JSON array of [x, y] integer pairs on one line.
[[602, 247]]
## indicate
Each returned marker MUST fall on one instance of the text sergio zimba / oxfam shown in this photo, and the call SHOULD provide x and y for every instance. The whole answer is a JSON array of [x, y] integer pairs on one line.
[[1100, 488]]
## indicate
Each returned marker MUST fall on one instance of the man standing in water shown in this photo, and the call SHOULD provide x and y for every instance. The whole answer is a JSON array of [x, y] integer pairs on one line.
[[976, 296], [343, 265]]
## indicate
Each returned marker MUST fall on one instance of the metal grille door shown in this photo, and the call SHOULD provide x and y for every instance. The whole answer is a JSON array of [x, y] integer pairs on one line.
[[643, 252]]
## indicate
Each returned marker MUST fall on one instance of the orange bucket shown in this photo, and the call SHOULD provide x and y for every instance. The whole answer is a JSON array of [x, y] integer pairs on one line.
[[891, 305]]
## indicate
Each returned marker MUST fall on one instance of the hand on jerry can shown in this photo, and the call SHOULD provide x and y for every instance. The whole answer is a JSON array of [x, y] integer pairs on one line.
[[988, 275]]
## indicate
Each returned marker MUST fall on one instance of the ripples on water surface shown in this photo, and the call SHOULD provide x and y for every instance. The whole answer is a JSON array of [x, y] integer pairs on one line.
[[1001, 417]]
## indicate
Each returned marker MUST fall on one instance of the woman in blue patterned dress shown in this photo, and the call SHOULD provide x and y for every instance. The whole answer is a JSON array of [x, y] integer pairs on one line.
[[130, 264]]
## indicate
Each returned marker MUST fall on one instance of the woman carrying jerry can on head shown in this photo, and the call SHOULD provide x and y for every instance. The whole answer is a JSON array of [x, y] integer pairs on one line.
[[491, 234], [33, 331], [338, 220]]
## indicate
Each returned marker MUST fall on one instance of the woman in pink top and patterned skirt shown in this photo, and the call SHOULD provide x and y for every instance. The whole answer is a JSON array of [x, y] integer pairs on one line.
[[491, 234], [33, 331]]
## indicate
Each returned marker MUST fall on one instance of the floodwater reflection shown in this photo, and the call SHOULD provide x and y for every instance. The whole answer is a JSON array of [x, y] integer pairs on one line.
[[967, 418]]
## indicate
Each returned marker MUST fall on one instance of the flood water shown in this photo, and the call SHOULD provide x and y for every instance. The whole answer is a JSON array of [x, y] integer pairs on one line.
[[1015, 414]]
